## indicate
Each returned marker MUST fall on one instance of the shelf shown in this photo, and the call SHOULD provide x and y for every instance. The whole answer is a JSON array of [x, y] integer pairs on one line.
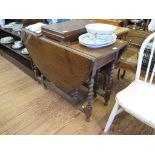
[[11, 32], [15, 54], [17, 51]]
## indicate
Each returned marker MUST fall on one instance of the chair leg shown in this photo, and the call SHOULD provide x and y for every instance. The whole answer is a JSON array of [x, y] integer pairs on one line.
[[118, 74], [112, 116]]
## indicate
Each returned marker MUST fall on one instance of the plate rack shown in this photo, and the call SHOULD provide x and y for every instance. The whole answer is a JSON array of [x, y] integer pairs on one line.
[[14, 53]]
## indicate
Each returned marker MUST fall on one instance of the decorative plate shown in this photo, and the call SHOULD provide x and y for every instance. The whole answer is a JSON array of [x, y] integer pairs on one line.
[[14, 46], [24, 51], [97, 46], [7, 40], [91, 40]]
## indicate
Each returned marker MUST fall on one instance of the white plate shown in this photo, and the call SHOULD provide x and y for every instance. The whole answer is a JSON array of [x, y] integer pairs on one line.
[[17, 27], [99, 28], [97, 46], [10, 25], [93, 41], [7, 40], [24, 51], [17, 46], [35, 27]]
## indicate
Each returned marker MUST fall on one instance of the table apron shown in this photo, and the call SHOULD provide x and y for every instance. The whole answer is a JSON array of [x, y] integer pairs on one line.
[[103, 61]]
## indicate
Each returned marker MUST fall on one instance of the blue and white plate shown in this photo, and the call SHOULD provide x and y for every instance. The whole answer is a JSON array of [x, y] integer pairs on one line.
[[97, 46], [92, 42]]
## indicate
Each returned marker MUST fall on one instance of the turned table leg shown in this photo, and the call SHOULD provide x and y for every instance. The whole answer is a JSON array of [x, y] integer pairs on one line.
[[109, 84], [96, 84], [36, 72], [38, 76], [88, 108], [43, 78]]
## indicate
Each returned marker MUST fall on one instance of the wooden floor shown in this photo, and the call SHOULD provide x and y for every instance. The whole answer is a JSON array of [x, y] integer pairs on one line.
[[27, 108]]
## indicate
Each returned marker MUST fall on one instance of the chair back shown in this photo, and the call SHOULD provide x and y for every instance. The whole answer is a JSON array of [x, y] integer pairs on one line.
[[136, 37], [146, 60]]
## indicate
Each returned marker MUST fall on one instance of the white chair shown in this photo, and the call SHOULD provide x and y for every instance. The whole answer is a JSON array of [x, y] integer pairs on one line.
[[138, 99]]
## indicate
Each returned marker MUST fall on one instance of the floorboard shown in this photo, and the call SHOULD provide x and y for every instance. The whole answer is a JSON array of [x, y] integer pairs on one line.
[[26, 108]]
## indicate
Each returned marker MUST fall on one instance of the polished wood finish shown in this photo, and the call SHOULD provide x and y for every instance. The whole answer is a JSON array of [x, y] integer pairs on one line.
[[26, 108], [66, 69], [88, 109], [69, 65], [66, 31], [27, 22]]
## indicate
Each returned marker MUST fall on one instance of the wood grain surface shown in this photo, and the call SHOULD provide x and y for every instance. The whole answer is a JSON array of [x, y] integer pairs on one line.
[[27, 108]]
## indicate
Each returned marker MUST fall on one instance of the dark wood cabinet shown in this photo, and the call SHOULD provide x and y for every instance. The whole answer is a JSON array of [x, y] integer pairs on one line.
[[15, 54]]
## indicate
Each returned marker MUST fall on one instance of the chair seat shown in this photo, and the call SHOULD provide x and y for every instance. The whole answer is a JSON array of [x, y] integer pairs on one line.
[[128, 60], [130, 54], [137, 99]]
